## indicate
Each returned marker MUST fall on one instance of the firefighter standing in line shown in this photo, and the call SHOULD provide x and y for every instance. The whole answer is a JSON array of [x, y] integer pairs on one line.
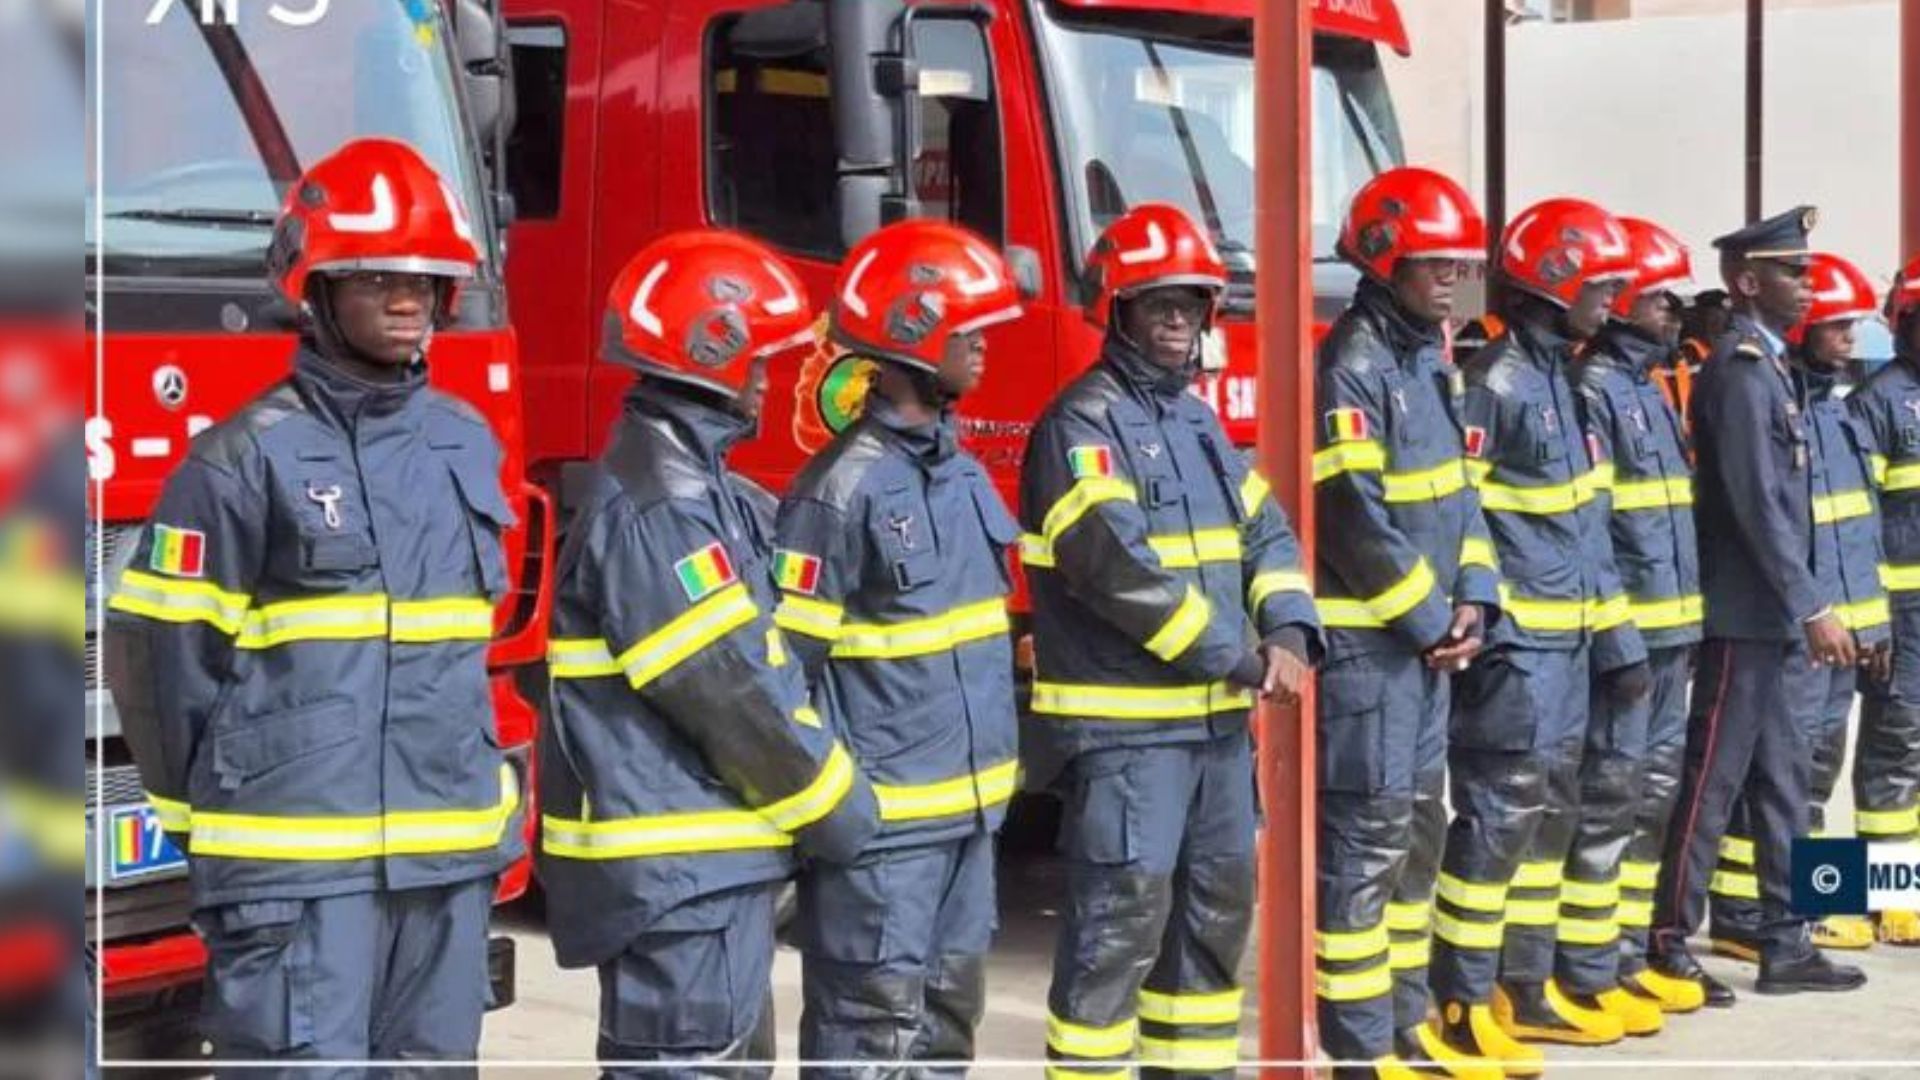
[[299, 650], [1770, 624], [1521, 712], [1616, 849], [892, 564], [1886, 764], [1847, 556], [1406, 593], [1167, 590], [680, 762]]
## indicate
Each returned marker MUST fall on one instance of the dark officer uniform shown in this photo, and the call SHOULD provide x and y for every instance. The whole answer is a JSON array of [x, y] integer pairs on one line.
[[1754, 493], [1155, 556], [680, 763], [892, 563], [1633, 752], [1411, 543]]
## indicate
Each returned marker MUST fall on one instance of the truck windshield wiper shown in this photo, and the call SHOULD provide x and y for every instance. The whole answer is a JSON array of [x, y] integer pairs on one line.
[[199, 216]]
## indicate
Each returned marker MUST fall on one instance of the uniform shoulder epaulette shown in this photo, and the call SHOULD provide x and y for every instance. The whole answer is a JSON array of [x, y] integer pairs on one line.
[[836, 474], [226, 445], [1751, 348]]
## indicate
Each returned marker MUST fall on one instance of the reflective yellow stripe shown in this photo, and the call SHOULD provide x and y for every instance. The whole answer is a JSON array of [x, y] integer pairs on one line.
[[175, 601], [1377, 612], [1607, 613], [809, 617], [1590, 894], [1035, 551], [217, 834], [1477, 551], [818, 798], [1350, 944], [1667, 614], [1137, 702], [1192, 1055], [1271, 583], [1221, 1007], [1466, 934], [1426, 485], [923, 637], [692, 630], [1900, 578], [1634, 913], [320, 618], [1354, 985], [697, 833], [1203, 546], [1902, 477], [1886, 822], [1841, 506], [1537, 875], [580, 658], [1587, 931], [1077, 1072], [1079, 499], [1656, 494], [806, 717], [1864, 614], [1405, 955], [1410, 918], [1532, 912], [776, 648], [1067, 1037], [174, 816], [455, 619], [1737, 849], [1473, 896], [1368, 456], [1478, 471], [1253, 492], [1548, 499], [961, 795], [1183, 627], [1735, 884], [1564, 616], [1639, 875]]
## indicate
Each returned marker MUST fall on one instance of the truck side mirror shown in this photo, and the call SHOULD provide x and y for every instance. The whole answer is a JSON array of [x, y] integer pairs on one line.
[[1027, 275], [486, 70]]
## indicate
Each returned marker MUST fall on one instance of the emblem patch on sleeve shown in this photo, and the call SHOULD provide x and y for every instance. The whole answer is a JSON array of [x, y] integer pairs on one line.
[[1347, 425], [1090, 461], [1476, 441], [704, 572], [796, 572], [178, 552]]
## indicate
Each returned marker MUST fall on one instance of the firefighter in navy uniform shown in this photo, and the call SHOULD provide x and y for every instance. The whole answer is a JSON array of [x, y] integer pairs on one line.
[[1520, 717], [1770, 624], [298, 650], [1406, 593], [892, 564], [1886, 764], [1631, 767], [680, 763], [1846, 558], [1167, 591]]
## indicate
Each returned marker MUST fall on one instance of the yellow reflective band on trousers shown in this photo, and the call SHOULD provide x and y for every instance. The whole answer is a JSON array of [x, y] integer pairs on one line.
[[1426, 485], [807, 616], [1737, 849], [1408, 955], [1376, 612], [1465, 934], [1350, 944], [1477, 551], [1079, 499], [1637, 914], [1218, 1007], [1667, 614], [1202, 546], [1183, 627], [1526, 912], [1656, 494], [1189, 1055], [1841, 506], [1354, 985], [1490, 898], [1735, 884], [1586, 931], [1412, 918], [1548, 499], [217, 834], [1537, 875], [961, 795], [175, 601], [1590, 894], [1642, 875], [1366, 456], [1253, 492], [1066, 1037], [1271, 583], [923, 637], [1864, 614], [692, 630], [1886, 822], [1895, 578], [1564, 616], [1137, 702], [1087, 1072]]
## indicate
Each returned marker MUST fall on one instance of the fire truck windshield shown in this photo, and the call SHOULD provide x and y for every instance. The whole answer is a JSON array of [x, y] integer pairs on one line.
[[190, 176], [1160, 108]]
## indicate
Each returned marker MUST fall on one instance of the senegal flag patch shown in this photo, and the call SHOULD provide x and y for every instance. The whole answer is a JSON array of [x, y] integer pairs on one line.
[[1090, 461], [795, 572], [1347, 425], [178, 552], [704, 571]]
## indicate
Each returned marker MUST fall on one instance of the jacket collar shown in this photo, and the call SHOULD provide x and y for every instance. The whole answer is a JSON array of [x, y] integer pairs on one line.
[[343, 396], [1403, 334], [1146, 378], [929, 444], [706, 429], [1630, 349]]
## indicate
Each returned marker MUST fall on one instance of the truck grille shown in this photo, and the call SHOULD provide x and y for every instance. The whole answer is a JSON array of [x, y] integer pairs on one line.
[[119, 784], [116, 550]]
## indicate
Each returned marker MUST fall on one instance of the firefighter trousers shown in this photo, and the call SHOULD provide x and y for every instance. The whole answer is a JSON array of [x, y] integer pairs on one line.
[[894, 958], [1886, 763], [376, 976], [1743, 737], [696, 989], [1159, 851], [1382, 760], [1659, 788], [1519, 715]]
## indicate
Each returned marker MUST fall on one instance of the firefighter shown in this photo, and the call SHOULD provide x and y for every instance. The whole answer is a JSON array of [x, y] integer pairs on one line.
[[1167, 591], [1406, 594], [1770, 624], [1846, 558], [681, 765], [1886, 766], [1616, 853], [1521, 713], [892, 564], [298, 649]]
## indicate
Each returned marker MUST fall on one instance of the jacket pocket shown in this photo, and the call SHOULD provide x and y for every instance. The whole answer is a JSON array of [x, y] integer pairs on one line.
[[1496, 706], [1352, 726], [1001, 530], [259, 744], [488, 516], [1101, 825]]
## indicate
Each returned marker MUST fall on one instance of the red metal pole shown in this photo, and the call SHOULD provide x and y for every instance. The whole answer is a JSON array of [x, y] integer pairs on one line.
[[1283, 165], [1910, 129]]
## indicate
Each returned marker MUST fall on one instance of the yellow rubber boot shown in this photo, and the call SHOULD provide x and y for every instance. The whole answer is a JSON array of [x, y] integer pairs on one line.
[[1542, 1013], [1474, 1030], [1900, 927], [1392, 1068], [1427, 1045], [1673, 995], [1843, 932], [1734, 948], [1637, 1015]]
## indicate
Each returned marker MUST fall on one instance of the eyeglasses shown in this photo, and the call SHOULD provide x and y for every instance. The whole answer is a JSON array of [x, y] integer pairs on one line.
[[391, 281], [1162, 307]]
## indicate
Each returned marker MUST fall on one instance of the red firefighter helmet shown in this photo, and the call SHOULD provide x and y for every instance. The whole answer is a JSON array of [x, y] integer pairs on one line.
[[1411, 213], [1150, 246], [1557, 247], [1841, 293], [1904, 298], [1660, 262], [373, 204], [700, 306], [909, 288]]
